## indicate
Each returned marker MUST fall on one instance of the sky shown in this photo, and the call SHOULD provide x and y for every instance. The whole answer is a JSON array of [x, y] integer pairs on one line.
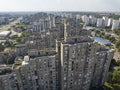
[[59, 5]]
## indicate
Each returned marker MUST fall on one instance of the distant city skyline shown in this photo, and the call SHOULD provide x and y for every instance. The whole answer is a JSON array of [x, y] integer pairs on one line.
[[59, 5]]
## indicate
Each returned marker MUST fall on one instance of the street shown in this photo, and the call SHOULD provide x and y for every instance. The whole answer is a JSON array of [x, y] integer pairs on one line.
[[7, 27]]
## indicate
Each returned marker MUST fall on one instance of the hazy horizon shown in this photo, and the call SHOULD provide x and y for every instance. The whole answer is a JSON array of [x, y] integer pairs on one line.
[[59, 5]]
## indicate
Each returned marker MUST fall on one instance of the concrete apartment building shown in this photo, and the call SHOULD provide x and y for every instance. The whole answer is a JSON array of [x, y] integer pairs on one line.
[[93, 20], [99, 22], [37, 73], [110, 22], [89, 20], [115, 24], [41, 25], [86, 19], [4, 20], [82, 62], [105, 20], [101, 66], [75, 63]]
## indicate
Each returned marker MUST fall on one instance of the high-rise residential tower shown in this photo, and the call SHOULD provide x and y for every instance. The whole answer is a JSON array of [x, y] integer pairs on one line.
[[77, 62]]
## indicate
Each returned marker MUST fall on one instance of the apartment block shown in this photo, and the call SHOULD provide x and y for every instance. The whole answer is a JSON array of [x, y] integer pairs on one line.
[[69, 59], [115, 24], [79, 57]]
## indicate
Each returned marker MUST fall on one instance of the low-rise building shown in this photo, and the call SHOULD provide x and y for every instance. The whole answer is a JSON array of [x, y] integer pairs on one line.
[[4, 34]]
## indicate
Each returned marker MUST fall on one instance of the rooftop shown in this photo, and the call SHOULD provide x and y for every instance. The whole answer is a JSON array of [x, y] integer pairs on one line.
[[4, 33], [101, 40]]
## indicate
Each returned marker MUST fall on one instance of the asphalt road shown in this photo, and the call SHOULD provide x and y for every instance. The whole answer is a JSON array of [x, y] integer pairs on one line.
[[8, 26]]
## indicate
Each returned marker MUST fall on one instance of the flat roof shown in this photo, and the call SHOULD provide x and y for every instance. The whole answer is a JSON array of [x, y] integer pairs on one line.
[[20, 45], [4, 33], [101, 40]]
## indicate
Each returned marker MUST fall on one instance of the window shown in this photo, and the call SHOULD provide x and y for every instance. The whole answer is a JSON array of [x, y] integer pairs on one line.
[[75, 39], [38, 53]]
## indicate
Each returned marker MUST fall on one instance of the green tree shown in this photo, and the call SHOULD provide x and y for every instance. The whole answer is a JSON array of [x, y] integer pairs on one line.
[[14, 37], [116, 86], [117, 44], [18, 40], [119, 49], [117, 32], [10, 60], [118, 63], [113, 78], [1, 47], [9, 44], [116, 77], [109, 77]]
